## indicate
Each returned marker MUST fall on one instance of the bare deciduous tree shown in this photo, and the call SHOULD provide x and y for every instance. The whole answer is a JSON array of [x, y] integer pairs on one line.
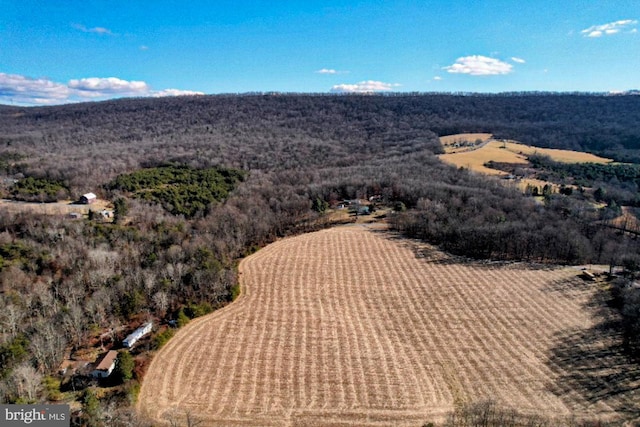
[[10, 318], [27, 381], [47, 345]]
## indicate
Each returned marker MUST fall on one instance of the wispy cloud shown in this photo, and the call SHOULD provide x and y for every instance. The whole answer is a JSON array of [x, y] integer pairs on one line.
[[368, 86], [96, 30], [437, 78], [609, 29], [518, 60], [478, 65], [143, 47], [330, 71], [22, 90]]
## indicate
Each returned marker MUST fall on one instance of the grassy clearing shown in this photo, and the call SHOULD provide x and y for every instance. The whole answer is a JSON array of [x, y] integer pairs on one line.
[[475, 160], [512, 152], [61, 207], [565, 156]]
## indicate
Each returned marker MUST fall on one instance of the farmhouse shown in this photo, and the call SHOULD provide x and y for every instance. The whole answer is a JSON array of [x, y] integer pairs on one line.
[[88, 198], [137, 334], [106, 365]]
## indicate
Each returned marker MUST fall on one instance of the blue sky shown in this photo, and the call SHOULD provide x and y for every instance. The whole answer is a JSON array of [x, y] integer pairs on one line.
[[54, 52]]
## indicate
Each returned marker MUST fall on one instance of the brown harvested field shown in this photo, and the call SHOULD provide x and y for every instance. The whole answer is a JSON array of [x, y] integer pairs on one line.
[[350, 326]]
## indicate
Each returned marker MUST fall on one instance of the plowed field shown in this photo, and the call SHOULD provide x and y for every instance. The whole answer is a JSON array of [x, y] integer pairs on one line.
[[350, 326]]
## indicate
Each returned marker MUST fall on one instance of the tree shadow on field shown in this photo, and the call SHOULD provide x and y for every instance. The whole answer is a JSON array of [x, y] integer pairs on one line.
[[591, 363], [432, 254], [422, 250]]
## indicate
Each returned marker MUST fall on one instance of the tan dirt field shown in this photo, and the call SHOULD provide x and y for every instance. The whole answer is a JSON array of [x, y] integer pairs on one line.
[[62, 207], [509, 152], [475, 159], [355, 327], [565, 156], [512, 152]]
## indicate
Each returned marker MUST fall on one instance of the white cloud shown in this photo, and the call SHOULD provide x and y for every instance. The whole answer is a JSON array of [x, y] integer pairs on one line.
[[176, 92], [367, 86], [331, 71], [19, 89], [143, 47], [109, 85], [608, 29], [96, 30], [437, 78], [22, 90], [518, 60], [478, 65]]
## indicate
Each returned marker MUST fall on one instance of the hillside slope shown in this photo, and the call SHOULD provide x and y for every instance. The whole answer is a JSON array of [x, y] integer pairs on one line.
[[294, 131]]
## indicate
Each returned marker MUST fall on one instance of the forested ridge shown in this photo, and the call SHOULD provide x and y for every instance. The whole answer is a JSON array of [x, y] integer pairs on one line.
[[63, 282], [594, 123]]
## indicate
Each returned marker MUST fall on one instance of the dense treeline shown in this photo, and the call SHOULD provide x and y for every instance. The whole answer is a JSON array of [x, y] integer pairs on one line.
[[618, 183], [483, 218], [63, 281], [587, 174]]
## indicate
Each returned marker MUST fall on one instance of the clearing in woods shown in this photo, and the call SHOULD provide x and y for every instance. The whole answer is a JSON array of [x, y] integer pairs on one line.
[[350, 326], [511, 152], [462, 151], [61, 207]]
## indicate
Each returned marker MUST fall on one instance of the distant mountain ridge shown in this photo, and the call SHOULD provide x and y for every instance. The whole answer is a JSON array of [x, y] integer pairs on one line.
[[265, 131]]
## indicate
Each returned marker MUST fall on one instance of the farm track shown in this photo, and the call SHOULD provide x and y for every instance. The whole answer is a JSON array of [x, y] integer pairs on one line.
[[349, 326]]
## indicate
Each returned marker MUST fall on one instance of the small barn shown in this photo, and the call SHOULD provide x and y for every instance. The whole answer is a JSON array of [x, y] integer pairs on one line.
[[88, 198], [143, 330], [106, 365]]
